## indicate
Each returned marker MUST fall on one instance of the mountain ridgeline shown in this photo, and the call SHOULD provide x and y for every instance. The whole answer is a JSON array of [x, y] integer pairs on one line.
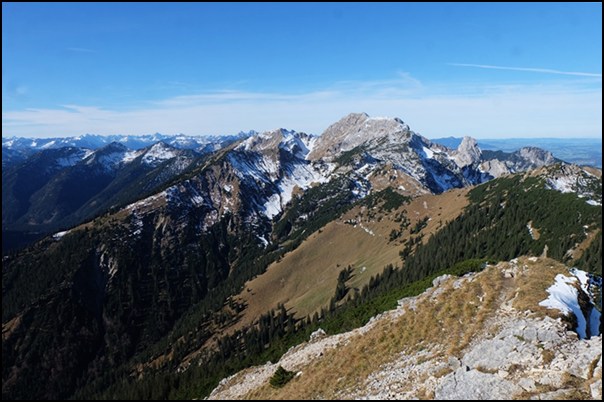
[[139, 295]]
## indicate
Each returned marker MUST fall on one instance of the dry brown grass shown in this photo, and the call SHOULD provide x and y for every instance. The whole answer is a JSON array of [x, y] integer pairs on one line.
[[425, 395], [535, 279], [486, 370], [448, 323], [548, 356], [535, 231], [305, 279], [579, 249], [442, 372], [593, 170], [9, 327]]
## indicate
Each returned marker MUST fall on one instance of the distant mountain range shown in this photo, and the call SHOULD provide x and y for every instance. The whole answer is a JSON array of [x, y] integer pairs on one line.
[[16, 149], [581, 151], [60, 182], [51, 184]]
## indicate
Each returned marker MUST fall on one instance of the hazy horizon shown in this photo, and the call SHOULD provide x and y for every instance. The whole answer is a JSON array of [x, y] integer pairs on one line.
[[522, 138]]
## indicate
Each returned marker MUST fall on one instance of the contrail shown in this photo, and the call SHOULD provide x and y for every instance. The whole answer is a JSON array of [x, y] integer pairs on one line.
[[533, 70]]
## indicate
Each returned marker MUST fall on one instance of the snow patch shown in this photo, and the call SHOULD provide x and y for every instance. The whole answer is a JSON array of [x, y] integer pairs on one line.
[[107, 161], [583, 278], [158, 153], [429, 153], [564, 296], [130, 156], [197, 200], [263, 240], [147, 201], [68, 161], [59, 235], [563, 184], [137, 224], [273, 206], [369, 231], [301, 176]]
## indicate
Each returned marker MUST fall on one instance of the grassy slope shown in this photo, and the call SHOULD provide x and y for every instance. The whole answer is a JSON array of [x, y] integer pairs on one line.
[[305, 279]]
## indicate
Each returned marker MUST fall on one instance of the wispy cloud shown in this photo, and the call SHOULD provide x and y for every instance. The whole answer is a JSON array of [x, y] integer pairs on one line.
[[541, 110], [81, 50], [529, 69]]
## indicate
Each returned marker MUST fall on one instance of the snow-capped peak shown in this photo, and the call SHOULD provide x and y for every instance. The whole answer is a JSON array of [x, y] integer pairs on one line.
[[159, 153], [297, 144], [109, 157]]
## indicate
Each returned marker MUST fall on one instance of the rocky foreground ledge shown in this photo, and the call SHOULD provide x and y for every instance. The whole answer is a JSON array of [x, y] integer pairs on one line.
[[483, 336]]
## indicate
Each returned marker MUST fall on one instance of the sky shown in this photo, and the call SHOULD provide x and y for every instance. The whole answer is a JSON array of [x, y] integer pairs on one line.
[[491, 70]]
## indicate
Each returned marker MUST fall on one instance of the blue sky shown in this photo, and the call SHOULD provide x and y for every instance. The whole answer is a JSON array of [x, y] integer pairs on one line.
[[485, 70]]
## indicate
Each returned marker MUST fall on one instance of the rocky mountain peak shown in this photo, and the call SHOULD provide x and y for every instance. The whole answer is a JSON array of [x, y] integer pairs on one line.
[[270, 142], [537, 156], [356, 129], [108, 156], [468, 152], [158, 153], [111, 148]]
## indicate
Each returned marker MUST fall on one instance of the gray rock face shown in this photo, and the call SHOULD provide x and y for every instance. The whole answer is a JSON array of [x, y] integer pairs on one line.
[[495, 167], [572, 178], [515, 345], [357, 129], [440, 280], [468, 152], [317, 335], [474, 385], [536, 157]]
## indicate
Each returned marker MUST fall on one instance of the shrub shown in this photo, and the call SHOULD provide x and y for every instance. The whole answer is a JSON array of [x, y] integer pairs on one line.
[[281, 377]]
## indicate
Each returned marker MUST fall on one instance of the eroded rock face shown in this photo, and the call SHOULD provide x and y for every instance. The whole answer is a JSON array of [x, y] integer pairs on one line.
[[475, 385], [525, 355], [495, 168], [358, 129], [468, 152], [536, 156]]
